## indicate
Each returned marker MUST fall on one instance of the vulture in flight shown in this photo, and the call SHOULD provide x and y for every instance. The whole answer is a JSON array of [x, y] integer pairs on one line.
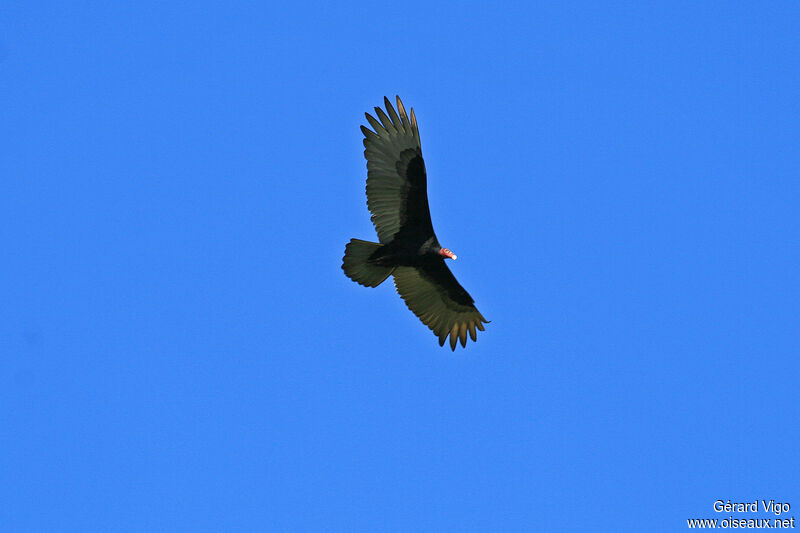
[[397, 197]]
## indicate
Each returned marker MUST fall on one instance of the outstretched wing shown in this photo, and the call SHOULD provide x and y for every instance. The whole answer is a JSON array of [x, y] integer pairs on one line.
[[441, 303], [397, 194]]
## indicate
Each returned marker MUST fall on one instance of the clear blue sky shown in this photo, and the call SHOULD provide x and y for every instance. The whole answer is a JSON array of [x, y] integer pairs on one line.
[[182, 352]]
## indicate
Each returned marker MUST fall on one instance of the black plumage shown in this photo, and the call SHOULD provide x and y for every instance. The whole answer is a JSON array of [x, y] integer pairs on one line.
[[397, 197]]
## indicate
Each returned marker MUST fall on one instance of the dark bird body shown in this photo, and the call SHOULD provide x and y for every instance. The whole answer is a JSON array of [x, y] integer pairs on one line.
[[397, 197]]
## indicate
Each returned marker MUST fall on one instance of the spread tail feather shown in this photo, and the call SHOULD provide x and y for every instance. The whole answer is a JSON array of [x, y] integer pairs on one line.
[[356, 266]]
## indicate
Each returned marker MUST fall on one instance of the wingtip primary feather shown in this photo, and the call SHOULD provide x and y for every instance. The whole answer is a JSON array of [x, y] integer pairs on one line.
[[454, 337], [397, 122], [367, 132], [377, 126], [403, 115], [385, 120]]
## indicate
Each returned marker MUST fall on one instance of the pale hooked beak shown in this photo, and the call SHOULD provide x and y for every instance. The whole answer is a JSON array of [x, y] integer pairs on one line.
[[444, 252]]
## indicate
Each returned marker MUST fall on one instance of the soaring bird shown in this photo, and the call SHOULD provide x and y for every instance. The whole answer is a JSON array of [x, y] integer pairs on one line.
[[397, 197]]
